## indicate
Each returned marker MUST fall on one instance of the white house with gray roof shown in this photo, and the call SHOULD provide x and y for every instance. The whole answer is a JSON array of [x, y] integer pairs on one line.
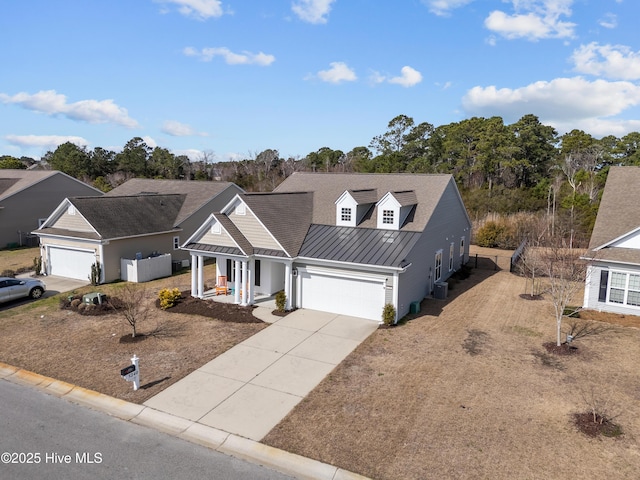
[[140, 219], [342, 243], [613, 275]]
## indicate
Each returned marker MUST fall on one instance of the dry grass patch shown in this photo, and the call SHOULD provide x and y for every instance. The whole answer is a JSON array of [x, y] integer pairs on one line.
[[468, 391], [87, 350]]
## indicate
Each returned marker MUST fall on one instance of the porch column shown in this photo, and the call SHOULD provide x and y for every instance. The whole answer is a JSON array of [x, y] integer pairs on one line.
[[250, 286], [236, 290], [200, 276], [194, 271], [287, 285], [245, 294]]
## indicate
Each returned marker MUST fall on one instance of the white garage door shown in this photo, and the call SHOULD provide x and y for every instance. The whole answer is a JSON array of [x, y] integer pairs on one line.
[[69, 263], [356, 297]]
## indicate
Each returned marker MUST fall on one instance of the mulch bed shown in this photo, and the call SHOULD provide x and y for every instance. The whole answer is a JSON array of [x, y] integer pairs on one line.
[[600, 426], [226, 312], [563, 349]]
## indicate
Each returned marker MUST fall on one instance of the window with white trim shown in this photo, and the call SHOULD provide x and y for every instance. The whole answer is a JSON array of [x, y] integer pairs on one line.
[[438, 269], [240, 209], [176, 243], [71, 210], [624, 288], [345, 214], [387, 217], [451, 257], [215, 228]]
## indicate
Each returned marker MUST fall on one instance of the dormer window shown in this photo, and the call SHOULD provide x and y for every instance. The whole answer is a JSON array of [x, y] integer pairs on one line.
[[345, 215], [387, 217], [71, 210], [240, 209]]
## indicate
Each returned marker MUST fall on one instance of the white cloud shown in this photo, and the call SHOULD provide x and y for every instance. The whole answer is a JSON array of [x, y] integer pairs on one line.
[[192, 153], [312, 11], [533, 20], [177, 129], [338, 73], [150, 141], [610, 61], [408, 77], [562, 101], [198, 9], [44, 141], [444, 7], [231, 58], [53, 103], [610, 20]]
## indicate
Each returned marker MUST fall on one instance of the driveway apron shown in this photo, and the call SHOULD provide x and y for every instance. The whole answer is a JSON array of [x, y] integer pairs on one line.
[[251, 387]]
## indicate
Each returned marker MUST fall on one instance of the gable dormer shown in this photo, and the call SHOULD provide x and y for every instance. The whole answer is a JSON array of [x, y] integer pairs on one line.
[[394, 208], [353, 205]]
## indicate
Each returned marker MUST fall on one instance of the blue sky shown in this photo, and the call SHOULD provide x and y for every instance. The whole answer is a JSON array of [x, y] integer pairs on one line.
[[233, 78]]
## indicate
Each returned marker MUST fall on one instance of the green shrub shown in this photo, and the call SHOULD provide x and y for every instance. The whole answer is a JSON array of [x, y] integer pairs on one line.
[[388, 314], [169, 297], [281, 300]]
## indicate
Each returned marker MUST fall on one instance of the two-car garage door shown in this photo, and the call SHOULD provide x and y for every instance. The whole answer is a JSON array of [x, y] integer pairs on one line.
[[345, 294], [65, 262]]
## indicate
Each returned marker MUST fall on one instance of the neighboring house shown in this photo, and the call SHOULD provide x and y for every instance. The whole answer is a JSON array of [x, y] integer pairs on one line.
[[27, 198], [139, 219], [613, 275], [343, 243]]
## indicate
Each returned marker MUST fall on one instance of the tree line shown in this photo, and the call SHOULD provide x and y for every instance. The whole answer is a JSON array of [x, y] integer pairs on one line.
[[499, 168]]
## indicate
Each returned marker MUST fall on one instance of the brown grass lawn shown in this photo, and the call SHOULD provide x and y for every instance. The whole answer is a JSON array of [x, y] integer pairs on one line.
[[18, 258], [464, 390], [467, 391], [87, 350]]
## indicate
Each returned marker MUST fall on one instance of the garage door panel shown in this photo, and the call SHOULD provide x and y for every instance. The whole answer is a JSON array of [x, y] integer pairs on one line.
[[65, 262], [346, 296]]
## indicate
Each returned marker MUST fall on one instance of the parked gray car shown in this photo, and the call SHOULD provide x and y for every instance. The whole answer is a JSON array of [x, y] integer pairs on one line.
[[15, 288]]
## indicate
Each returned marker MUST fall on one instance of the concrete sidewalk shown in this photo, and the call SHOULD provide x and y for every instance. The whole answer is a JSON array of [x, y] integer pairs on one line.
[[251, 387]]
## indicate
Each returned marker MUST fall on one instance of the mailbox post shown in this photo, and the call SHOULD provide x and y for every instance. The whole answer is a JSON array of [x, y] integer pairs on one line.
[[132, 372]]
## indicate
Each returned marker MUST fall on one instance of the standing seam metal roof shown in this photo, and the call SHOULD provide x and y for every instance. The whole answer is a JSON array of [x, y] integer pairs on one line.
[[358, 245]]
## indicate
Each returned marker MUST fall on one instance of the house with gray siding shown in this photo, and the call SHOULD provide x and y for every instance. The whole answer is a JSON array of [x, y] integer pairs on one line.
[[613, 274], [342, 243], [142, 218], [27, 198]]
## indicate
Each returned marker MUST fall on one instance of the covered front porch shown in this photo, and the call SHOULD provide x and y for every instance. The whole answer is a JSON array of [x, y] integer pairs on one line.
[[249, 280]]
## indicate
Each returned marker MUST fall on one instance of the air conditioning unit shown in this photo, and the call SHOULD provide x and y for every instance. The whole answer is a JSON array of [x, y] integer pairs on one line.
[[440, 290]]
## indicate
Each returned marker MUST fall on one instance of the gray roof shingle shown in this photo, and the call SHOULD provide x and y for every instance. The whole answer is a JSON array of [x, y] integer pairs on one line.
[[287, 215], [327, 188], [619, 210], [198, 193], [127, 216]]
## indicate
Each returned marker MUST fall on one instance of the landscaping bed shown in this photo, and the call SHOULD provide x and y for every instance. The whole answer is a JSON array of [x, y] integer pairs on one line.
[[89, 350]]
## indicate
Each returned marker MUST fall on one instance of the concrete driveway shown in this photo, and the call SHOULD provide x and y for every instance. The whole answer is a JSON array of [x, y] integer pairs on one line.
[[251, 387], [57, 285], [54, 285]]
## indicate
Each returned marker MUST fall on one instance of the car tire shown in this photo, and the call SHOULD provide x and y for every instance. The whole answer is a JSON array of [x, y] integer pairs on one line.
[[36, 292]]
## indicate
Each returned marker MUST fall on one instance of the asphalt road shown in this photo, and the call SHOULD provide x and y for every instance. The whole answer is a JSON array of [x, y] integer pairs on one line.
[[45, 437]]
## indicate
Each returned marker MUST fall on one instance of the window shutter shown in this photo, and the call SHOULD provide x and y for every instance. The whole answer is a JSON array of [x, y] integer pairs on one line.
[[604, 279]]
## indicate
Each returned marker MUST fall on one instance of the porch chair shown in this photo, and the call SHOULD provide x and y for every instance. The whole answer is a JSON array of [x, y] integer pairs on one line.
[[221, 286]]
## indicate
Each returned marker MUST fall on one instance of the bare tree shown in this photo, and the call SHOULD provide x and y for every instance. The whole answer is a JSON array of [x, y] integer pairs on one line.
[[566, 276], [133, 306]]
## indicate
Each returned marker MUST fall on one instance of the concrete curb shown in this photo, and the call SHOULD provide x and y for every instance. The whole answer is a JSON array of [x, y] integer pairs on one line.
[[209, 437]]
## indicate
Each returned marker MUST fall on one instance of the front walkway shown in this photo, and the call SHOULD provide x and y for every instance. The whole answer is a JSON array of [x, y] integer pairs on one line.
[[251, 387]]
